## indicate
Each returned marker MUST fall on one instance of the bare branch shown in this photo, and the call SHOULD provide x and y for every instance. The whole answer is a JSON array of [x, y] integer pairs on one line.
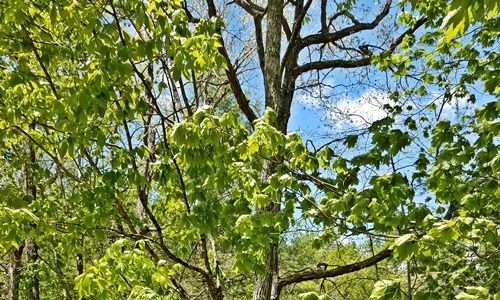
[[338, 271], [260, 43], [286, 28], [332, 64], [409, 31], [251, 8], [321, 38], [324, 27], [363, 61], [292, 50], [234, 82]]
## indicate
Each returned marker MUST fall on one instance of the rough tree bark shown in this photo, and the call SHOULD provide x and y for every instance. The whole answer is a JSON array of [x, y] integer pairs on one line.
[[31, 246], [14, 273], [265, 285], [32, 261]]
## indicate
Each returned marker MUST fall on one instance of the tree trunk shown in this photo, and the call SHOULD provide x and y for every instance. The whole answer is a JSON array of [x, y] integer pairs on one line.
[[215, 291], [31, 262], [79, 269], [31, 246], [79, 263], [14, 273], [272, 70], [265, 285]]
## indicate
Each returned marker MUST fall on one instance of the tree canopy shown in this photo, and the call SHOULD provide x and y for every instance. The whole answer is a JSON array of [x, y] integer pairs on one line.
[[305, 149]]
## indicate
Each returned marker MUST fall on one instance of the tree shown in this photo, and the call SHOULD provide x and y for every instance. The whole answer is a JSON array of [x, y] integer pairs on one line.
[[280, 73], [139, 190]]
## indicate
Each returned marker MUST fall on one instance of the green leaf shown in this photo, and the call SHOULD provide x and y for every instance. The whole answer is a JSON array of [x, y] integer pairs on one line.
[[351, 141], [309, 296], [465, 296], [386, 290], [63, 148], [478, 291]]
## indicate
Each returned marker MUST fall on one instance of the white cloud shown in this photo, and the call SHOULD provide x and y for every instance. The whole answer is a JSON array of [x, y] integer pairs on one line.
[[358, 112], [341, 112], [366, 109]]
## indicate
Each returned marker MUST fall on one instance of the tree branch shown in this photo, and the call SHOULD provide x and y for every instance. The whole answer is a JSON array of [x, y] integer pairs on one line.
[[286, 28], [49, 154], [29, 40], [234, 82], [355, 63], [292, 50], [260, 43], [321, 38], [321, 273], [331, 64], [251, 8], [324, 27], [409, 31]]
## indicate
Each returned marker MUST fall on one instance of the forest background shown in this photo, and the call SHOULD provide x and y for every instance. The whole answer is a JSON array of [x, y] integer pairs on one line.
[[300, 149]]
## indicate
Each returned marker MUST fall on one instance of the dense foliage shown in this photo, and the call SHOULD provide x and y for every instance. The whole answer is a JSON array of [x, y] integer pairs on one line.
[[136, 164]]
